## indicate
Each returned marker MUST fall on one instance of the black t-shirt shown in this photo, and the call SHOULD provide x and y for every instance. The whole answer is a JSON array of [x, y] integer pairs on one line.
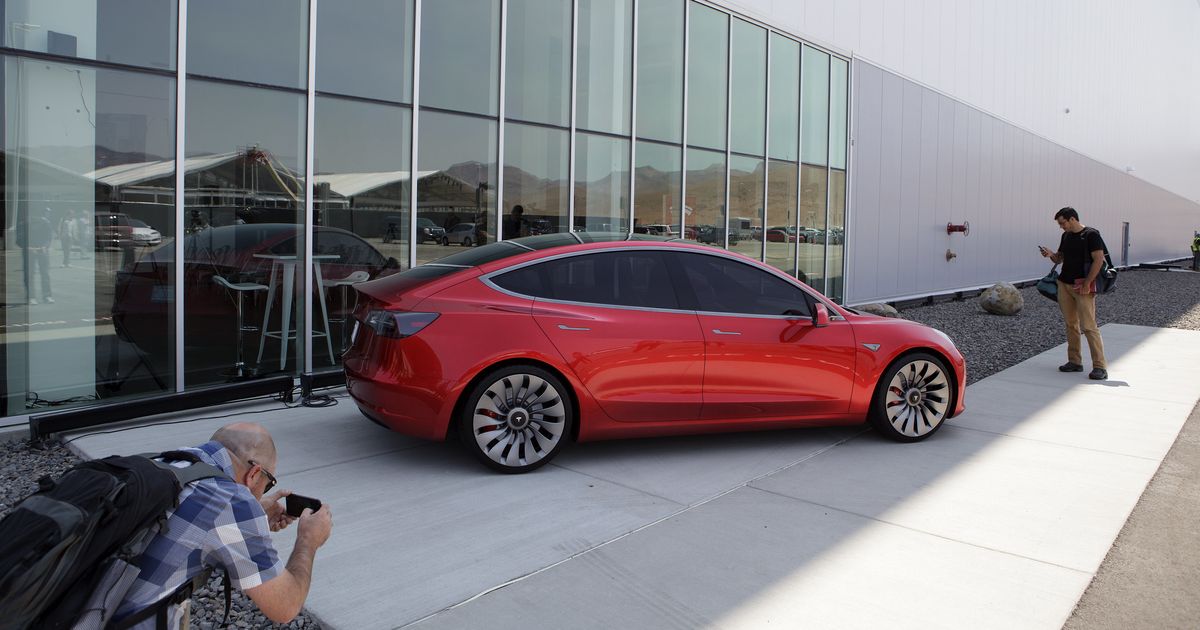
[[1076, 249]]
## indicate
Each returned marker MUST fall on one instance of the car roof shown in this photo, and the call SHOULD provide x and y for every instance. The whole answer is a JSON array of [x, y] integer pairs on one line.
[[483, 255]]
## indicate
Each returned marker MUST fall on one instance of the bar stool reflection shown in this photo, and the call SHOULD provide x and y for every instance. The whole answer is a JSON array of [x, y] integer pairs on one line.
[[286, 266]]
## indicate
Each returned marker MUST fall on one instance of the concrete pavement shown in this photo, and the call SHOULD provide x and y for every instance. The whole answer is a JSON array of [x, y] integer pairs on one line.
[[1000, 520]]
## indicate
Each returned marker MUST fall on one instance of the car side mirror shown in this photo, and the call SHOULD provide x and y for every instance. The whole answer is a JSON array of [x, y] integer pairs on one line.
[[820, 315]]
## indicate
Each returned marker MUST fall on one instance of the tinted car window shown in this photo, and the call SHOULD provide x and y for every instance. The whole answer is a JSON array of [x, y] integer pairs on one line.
[[632, 278], [723, 285]]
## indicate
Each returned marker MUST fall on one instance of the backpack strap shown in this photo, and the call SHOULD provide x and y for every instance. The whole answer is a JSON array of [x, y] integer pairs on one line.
[[197, 471], [159, 609]]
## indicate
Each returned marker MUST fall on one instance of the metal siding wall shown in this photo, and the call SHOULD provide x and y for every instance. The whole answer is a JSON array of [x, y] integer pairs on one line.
[[925, 159]]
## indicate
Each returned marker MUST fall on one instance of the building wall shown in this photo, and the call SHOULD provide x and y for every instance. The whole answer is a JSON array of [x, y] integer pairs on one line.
[[1126, 70], [923, 159]]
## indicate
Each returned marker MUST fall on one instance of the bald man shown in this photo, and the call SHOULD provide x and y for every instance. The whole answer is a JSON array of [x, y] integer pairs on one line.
[[227, 523]]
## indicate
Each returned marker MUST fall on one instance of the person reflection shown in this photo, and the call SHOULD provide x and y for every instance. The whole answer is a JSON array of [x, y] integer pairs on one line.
[[33, 237]]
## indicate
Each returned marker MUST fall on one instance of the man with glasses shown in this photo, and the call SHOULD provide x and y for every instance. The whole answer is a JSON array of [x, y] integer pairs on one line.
[[227, 523]]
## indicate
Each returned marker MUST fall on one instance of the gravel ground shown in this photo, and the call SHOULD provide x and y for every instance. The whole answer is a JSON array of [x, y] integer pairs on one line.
[[990, 344]]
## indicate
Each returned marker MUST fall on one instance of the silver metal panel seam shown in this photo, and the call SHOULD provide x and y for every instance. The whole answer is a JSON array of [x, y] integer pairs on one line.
[[180, 185], [414, 134], [501, 112], [728, 107], [571, 142], [766, 145], [687, 36], [848, 177], [799, 155], [309, 214], [633, 123]]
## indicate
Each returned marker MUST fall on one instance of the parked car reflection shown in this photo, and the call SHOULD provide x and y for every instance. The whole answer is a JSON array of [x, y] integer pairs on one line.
[[144, 296]]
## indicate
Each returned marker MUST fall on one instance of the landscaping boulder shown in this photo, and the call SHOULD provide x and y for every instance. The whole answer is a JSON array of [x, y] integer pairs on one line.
[[1002, 299], [878, 308]]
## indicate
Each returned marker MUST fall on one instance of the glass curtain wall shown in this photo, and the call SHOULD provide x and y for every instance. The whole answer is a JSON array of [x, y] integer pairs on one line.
[[708, 85], [835, 242], [784, 148], [89, 170], [814, 171], [658, 186], [457, 139], [747, 136], [537, 91], [244, 195], [361, 155]]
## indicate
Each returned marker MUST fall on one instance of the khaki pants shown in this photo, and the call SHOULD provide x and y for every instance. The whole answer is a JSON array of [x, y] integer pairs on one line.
[[1079, 314]]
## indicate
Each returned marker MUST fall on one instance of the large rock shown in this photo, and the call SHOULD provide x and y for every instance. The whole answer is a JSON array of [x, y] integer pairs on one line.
[[1002, 299], [878, 308]]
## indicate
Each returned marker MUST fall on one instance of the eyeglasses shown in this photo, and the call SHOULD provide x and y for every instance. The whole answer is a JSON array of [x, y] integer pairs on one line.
[[271, 480]]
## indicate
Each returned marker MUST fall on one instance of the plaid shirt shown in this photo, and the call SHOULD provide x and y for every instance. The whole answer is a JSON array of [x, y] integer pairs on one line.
[[218, 523]]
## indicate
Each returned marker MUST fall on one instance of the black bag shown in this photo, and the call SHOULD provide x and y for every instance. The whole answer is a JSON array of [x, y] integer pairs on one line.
[[1106, 280], [67, 552], [1048, 285]]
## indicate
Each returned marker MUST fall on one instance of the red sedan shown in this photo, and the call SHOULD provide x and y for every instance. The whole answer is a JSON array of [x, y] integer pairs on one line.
[[524, 345]]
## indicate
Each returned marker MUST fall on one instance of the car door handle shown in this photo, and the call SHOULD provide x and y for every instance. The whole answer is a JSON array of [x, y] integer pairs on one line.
[[718, 331], [566, 327]]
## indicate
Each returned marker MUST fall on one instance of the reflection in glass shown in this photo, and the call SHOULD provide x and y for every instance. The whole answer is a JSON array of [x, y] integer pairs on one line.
[[781, 211], [813, 182], [837, 114], [135, 32], [604, 64], [814, 97], [265, 41], [89, 195], [535, 178], [601, 183], [538, 79], [707, 77], [660, 70], [456, 185], [364, 48], [460, 53], [746, 204], [244, 202], [836, 236], [748, 89], [705, 194], [785, 98], [360, 200], [657, 191]]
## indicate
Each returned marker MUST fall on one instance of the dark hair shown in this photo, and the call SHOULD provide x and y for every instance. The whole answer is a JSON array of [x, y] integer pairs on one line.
[[1066, 213], [518, 209]]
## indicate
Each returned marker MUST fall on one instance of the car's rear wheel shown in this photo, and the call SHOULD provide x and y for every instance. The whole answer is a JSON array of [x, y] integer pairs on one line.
[[912, 399], [516, 418], [445, 242], [467, 242]]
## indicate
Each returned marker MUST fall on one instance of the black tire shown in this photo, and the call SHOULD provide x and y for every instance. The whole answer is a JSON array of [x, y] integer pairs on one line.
[[445, 242], [516, 419], [913, 398], [467, 242]]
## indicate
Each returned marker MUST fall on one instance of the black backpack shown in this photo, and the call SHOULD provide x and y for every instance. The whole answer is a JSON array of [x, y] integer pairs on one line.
[[68, 551]]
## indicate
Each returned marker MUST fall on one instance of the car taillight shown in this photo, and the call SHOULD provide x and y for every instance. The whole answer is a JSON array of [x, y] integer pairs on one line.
[[398, 324]]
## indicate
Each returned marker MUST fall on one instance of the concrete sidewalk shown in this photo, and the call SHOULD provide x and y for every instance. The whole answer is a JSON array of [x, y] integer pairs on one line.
[[1000, 520]]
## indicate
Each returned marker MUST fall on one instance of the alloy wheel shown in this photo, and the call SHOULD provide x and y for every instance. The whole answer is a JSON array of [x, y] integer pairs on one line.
[[518, 420], [917, 398]]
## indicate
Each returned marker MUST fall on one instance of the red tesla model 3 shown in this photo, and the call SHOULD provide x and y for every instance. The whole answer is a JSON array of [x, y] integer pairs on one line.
[[523, 345]]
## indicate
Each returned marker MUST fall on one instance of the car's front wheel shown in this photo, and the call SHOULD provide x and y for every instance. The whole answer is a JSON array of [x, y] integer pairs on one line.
[[445, 242], [912, 399], [467, 242], [516, 419]]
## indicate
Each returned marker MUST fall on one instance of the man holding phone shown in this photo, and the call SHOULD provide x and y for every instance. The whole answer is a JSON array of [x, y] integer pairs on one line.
[[1081, 253], [227, 523]]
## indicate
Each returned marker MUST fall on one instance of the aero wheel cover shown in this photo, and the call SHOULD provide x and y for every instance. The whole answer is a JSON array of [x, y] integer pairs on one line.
[[518, 420], [917, 398]]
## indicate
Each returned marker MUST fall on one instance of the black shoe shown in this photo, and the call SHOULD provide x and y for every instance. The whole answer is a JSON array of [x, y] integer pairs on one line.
[[1070, 367], [1098, 374]]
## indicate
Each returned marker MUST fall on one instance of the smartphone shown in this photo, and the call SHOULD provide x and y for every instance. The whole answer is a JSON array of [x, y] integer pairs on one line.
[[297, 503]]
